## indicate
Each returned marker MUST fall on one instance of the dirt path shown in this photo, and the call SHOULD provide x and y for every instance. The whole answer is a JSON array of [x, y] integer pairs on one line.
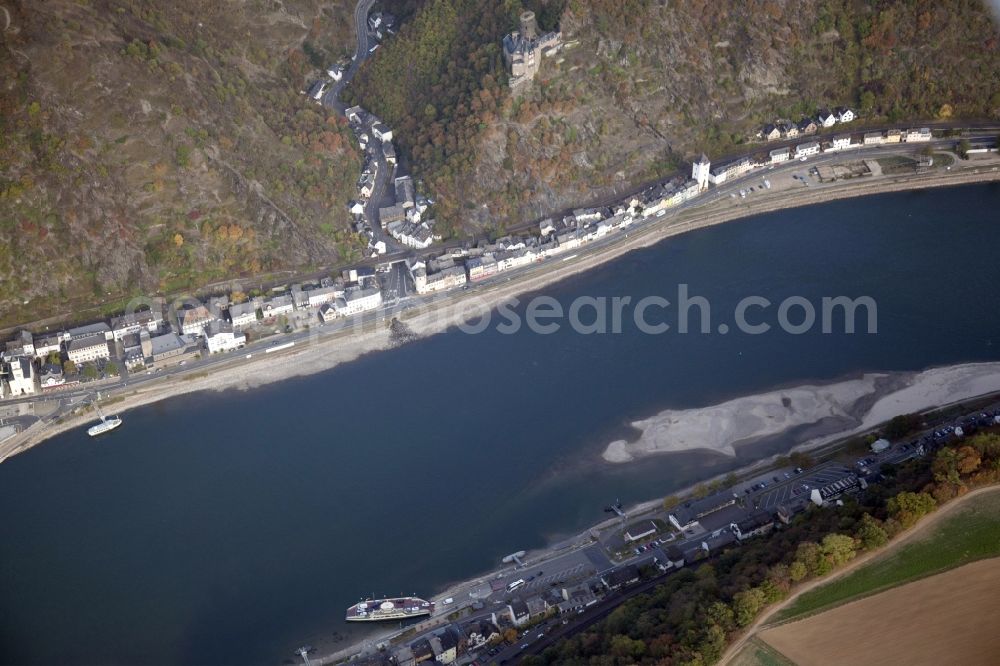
[[919, 530]]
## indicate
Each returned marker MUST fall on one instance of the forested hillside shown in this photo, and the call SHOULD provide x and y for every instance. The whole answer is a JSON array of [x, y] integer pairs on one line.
[[156, 146], [439, 84], [161, 145], [643, 84]]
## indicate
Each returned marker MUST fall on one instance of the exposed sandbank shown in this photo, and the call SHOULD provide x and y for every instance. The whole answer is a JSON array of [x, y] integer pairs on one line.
[[862, 403]]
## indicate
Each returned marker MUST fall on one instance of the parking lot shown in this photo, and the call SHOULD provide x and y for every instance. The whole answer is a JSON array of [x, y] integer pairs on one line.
[[566, 568], [395, 283], [792, 489], [545, 580]]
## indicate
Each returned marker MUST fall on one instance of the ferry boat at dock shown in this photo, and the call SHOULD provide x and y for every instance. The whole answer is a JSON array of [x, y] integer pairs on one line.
[[395, 608], [106, 424]]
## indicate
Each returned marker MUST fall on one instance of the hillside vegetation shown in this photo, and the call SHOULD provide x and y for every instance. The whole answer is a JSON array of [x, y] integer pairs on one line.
[[644, 84], [162, 145]]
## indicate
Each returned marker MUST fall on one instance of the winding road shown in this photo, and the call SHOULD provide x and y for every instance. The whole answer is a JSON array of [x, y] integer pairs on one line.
[[332, 97]]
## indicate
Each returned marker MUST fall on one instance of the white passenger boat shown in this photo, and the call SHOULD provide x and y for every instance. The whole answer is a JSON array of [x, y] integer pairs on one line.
[[106, 424]]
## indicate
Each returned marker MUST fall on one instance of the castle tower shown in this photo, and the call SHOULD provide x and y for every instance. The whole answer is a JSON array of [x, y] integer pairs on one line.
[[699, 171], [529, 28]]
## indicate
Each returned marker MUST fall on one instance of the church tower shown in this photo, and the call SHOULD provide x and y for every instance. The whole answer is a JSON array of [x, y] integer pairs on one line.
[[699, 171]]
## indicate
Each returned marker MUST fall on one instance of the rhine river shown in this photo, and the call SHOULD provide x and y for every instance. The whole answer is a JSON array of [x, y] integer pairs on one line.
[[232, 527]]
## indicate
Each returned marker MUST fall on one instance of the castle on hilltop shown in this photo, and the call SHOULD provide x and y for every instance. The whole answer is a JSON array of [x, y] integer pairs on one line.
[[524, 49]]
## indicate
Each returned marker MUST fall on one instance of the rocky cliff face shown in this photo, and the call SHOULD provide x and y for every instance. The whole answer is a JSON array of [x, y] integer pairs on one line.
[[162, 145]]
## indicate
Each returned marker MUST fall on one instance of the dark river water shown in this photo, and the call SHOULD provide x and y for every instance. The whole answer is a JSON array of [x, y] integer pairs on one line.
[[232, 527]]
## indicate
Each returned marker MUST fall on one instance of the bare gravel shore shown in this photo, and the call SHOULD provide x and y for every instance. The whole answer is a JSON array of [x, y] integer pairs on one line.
[[863, 403]]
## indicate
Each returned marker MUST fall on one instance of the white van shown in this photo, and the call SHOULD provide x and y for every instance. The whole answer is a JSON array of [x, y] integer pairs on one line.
[[516, 584]]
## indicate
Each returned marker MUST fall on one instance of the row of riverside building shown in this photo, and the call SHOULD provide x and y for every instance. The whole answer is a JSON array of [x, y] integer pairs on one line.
[[455, 267], [704, 174], [825, 119], [146, 338]]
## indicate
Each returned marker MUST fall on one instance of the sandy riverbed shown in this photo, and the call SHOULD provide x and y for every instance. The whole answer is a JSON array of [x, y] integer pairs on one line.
[[308, 359], [859, 403]]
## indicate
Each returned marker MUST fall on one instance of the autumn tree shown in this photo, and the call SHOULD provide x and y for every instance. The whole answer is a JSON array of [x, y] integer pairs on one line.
[[797, 571], [987, 444], [811, 557], [947, 479], [701, 490], [870, 533], [838, 549], [968, 461], [720, 614], [772, 591], [746, 604], [909, 507], [712, 644], [627, 648], [781, 576]]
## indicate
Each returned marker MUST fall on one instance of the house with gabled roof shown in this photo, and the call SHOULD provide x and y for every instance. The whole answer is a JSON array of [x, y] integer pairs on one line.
[[686, 515], [789, 130], [807, 126], [770, 132], [194, 320], [844, 114], [518, 611], [620, 577], [826, 119]]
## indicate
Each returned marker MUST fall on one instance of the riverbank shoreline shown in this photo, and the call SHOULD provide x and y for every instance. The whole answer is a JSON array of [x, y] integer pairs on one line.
[[861, 402], [327, 353], [826, 443]]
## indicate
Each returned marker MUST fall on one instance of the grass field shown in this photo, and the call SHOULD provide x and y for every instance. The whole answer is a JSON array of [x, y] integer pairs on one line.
[[971, 533], [758, 653]]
